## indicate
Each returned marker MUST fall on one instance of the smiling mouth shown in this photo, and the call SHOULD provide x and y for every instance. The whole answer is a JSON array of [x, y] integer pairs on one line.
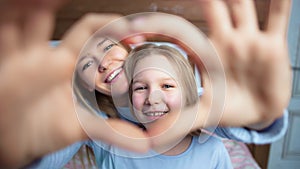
[[113, 75], [155, 115]]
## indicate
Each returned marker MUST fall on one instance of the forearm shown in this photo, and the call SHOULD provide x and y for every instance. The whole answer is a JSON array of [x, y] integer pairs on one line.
[[273, 132], [56, 160]]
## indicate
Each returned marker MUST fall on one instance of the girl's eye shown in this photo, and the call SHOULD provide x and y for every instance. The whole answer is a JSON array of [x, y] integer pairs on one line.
[[107, 48], [140, 88], [87, 65], [167, 86]]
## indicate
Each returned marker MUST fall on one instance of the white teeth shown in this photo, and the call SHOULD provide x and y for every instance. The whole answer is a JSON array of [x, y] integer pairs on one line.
[[155, 113], [113, 75]]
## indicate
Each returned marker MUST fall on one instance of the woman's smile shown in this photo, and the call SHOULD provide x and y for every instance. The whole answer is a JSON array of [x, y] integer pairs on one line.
[[113, 75]]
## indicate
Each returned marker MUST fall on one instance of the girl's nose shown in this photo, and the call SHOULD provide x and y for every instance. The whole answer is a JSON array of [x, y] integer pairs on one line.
[[155, 97]]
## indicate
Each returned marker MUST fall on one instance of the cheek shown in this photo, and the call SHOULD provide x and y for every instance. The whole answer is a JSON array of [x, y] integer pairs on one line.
[[138, 101], [119, 53], [174, 100], [120, 85], [88, 80], [100, 86]]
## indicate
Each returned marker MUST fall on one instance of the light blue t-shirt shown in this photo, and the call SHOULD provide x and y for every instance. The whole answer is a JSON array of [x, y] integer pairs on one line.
[[272, 133], [211, 154]]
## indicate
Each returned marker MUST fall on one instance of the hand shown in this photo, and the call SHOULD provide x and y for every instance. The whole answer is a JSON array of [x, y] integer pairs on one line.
[[256, 62], [37, 113], [249, 85]]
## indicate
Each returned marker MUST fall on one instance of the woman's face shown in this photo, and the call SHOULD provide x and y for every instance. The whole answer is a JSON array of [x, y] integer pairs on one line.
[[100, 66], [156, 95]]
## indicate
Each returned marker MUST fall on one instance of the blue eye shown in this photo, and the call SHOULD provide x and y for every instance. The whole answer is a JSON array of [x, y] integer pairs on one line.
[[87, 65], [167, 86], [107, 48]]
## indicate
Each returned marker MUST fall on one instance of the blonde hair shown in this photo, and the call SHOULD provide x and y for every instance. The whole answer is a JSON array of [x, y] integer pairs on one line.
[[180, 65], [87, 99]]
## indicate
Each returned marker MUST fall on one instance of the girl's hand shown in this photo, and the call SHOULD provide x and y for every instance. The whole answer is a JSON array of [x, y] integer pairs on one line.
[[247, 79], [256, 62]]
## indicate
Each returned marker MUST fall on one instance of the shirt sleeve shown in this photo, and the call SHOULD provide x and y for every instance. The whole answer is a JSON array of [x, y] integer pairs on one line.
[[222, 158], [58, 159], [271, 134]]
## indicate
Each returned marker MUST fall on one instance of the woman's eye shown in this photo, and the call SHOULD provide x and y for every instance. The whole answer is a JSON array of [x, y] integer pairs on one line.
[[88, 64], [107, 48]]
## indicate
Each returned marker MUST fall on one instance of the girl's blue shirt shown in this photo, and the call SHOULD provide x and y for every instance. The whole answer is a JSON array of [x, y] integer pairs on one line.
[[105, 157]]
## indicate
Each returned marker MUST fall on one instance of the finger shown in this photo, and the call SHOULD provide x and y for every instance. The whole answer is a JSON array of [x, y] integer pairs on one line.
[[183, 33], [243, 14], [76, 37], [38, 26], [60, 63], [9, 29], [279, 16], [46, 4], [113, 131], [132, 137], [179, 31], [216, 15], [74, 40]]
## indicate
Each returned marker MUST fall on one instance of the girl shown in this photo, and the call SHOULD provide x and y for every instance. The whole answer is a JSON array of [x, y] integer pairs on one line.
[[157, 92]]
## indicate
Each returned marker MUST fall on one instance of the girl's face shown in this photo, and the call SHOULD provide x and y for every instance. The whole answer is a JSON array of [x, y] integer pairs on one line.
[[156, 93], [100, 66]]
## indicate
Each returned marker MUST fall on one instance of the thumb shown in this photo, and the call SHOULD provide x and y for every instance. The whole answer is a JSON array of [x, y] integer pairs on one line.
[[114, 132]]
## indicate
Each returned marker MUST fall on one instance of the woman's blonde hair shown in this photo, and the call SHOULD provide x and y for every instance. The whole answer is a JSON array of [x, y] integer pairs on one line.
[[92, 101]]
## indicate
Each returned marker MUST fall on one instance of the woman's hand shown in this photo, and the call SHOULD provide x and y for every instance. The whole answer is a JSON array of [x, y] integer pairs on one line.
[[37, 113]]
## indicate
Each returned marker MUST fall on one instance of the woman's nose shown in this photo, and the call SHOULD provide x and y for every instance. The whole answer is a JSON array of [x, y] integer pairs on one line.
[[104, 65], [102, 69]]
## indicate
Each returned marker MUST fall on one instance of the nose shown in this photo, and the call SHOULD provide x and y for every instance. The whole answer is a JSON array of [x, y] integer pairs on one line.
[[154, 97], [105, 63], [102, 69]]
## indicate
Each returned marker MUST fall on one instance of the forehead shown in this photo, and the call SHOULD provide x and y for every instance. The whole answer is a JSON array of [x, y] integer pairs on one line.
[[155, 62], [93, 44]]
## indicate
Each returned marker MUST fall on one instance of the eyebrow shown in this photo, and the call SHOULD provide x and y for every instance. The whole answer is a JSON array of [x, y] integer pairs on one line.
[[82, 58], [162, 79], [101, 42]]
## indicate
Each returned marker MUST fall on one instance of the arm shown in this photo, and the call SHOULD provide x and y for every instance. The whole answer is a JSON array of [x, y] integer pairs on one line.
[[58, 159], [268, 135]]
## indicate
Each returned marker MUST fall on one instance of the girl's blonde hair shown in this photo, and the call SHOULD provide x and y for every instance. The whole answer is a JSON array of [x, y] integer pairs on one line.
[[179, 62]]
